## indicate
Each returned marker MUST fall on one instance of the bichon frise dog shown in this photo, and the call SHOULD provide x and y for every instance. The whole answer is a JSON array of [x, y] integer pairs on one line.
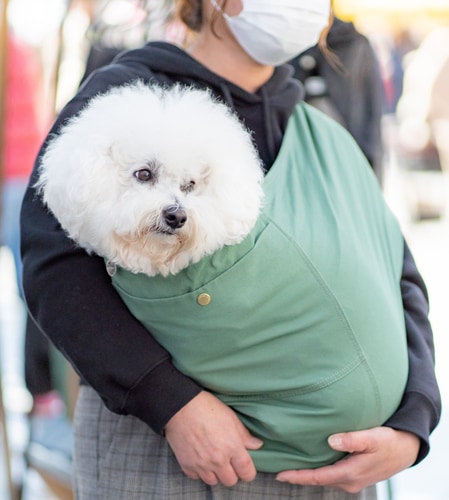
[[153, 179]]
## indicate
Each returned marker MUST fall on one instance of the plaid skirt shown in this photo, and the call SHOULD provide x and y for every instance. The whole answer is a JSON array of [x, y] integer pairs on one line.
[[119, 457]]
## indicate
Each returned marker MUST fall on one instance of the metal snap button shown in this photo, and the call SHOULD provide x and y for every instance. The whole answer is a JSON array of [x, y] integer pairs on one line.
[[203, 299]]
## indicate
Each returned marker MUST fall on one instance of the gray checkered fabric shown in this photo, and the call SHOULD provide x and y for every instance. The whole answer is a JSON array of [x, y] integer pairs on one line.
[[119, 458]]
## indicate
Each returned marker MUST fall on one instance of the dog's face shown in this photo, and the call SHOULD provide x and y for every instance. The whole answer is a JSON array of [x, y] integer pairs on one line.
[[153, 180]]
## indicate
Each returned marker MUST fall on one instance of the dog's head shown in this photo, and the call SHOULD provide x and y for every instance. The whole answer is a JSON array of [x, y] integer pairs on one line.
[[153, 179]]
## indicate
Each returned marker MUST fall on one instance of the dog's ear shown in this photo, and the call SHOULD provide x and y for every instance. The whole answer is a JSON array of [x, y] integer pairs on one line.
[[75, 178]]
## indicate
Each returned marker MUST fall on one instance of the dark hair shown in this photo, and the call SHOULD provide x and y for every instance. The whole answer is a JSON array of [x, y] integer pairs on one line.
[[190, 12], [329, 55]]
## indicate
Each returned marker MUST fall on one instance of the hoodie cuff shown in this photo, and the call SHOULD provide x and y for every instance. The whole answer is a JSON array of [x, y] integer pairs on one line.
[[159, 395], [417, 415]]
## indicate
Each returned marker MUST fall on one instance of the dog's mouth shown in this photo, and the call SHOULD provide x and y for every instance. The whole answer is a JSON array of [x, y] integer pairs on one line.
[[163, 231]]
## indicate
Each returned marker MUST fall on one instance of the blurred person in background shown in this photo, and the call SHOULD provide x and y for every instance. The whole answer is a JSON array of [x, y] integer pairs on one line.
[[423, 111], [344, 82], [50, 425], [23, 136], [25, 130], [438, 117], [118, 25]]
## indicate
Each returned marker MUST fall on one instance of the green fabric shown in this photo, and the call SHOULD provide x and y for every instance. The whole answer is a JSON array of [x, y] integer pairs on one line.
[[304, 335]]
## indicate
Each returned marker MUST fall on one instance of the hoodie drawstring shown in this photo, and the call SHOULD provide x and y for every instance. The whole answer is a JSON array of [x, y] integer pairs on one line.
[[267, 120]]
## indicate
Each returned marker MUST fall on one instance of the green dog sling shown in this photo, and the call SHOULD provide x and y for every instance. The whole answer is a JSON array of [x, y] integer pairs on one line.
[[300, 328]]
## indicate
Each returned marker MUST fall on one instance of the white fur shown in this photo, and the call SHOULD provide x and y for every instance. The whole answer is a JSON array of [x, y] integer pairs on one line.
[[87, 177]]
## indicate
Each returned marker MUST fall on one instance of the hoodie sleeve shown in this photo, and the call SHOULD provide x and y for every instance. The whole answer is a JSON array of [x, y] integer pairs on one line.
[[420, 408], [70, 296]]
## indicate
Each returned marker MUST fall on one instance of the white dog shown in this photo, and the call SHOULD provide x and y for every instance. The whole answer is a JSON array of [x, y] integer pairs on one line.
[[153, 179]]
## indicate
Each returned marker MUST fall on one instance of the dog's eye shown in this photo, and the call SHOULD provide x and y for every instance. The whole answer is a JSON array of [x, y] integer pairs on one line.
[[187, 188], [144, 175]]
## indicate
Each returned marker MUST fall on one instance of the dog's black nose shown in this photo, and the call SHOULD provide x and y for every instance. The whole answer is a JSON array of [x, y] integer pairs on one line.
[[174, 216]]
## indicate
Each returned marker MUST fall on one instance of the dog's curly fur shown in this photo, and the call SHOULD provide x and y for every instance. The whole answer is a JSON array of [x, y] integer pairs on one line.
[[153, 179]]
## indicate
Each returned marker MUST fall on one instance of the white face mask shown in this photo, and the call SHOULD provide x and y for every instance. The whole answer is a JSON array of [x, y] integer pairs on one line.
[[274, 31]]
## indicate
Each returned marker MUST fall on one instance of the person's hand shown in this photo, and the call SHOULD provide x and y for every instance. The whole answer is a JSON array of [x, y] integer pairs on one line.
[[375, 455], [210, 443]]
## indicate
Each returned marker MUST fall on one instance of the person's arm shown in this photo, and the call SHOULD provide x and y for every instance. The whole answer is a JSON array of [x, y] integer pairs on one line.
[[420, 409], [379, 453]]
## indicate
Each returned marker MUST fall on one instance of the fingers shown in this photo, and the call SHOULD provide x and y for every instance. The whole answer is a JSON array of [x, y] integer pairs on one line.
[[252, 443], [240, 465], [242, 461], [211, 443], [374, 455], [244, 467], [344, 475], [221, 471], [224, 467], [349, 473], [227, 476], [228, 469], [324, 476]]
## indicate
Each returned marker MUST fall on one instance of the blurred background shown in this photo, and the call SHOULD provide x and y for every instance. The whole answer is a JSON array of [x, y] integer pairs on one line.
[[48, 47]]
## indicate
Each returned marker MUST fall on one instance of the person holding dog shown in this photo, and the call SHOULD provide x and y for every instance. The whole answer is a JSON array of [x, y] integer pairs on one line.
[[142, 428]]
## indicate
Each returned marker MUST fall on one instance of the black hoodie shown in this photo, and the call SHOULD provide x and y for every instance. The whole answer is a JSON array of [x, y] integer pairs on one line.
[[70, 296]]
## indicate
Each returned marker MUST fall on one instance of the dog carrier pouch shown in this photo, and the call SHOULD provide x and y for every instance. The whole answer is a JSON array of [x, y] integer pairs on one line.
[[299, 328]]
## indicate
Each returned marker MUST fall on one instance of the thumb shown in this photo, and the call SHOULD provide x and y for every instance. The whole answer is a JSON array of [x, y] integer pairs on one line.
[[349, 442]]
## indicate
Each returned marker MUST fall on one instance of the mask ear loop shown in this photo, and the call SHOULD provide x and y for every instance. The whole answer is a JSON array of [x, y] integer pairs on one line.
[[216, 6]]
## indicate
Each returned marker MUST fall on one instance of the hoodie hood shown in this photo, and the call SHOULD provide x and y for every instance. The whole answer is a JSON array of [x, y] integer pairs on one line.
[[341, 33], [264, 112], [177, 65]]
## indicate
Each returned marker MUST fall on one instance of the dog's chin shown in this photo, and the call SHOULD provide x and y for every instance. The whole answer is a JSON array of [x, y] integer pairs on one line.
[[167, 236], [160, 250]]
